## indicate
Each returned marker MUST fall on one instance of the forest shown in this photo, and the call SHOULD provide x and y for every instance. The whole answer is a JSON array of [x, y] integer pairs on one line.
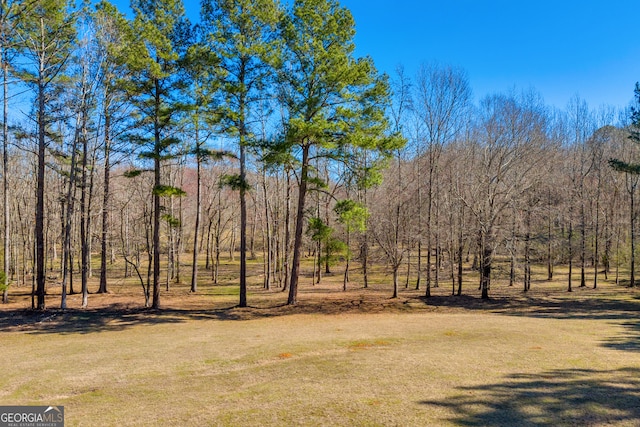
[[256, 133]]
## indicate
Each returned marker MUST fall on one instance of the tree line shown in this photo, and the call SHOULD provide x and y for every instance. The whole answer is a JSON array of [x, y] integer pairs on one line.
[[258, 130]]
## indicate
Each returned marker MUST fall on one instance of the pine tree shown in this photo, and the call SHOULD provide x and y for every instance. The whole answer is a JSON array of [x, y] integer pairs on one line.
[[201, 118], [154, 90], [631, 168], [333, 100], [242, 33]]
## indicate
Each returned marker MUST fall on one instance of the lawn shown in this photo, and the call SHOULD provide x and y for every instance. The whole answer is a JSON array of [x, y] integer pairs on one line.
[[355, 358]]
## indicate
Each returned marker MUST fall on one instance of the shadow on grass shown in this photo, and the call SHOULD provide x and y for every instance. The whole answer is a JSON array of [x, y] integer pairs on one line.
[[581, 397], [585, 305], [624, 311], [548, 306], [76, 321], [80, 321], [628, 340], [116, 318]]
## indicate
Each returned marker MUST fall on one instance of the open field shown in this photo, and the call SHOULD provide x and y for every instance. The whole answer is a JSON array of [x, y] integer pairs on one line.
[[338, 358]]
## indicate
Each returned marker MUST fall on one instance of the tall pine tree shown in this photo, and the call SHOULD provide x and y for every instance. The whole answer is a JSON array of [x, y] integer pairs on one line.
[[334, 101], [154, 89], [243, 34]]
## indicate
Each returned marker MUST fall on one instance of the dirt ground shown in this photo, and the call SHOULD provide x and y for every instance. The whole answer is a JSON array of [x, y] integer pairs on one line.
[[126, 297]]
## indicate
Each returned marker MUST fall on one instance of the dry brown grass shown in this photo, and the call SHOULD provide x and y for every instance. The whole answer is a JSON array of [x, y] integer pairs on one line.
[[337, 358]]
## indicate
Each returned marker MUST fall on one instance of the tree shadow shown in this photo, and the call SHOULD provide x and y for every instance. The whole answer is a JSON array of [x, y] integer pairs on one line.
[[547, 306], [628, 340], [118, 318], [559, 307], [581, 397], [75, 321]]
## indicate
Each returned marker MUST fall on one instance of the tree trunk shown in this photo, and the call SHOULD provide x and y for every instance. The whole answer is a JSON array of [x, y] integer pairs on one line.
[[596, 254], [438, 253], [84, 215], [155, 243], [365, 259], [207, 246], [583, 246], [617, 256], [429, 218], [318, 251], [216, 262], [365, 248], [105, 204], [297, 243], [460, 247], [179, 248], [632, 229], [287, 233], [346, 268], [452, 267], [395, 281], [570, 237], [406, 282], [513, 244], [527, 252], [485, 269], [419, 266], [460, 260], [196, 228], [427, 293], [268, 237], [606, 258], [549, 259], [549, 253], [5, 172], [40, 288], [68, 213]]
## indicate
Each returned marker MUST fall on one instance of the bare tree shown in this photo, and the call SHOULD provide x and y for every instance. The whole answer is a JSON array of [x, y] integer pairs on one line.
[[442, 101], [508, 147], [10, 13], [627, 163], [46, 35], [581, 126], [389, 206], [113, 34]]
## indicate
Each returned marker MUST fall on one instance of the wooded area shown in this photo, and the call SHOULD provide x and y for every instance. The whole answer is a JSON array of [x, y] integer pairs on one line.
[[258, 133]]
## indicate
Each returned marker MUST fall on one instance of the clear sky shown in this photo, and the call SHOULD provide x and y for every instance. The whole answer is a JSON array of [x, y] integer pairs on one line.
[[561, 48]]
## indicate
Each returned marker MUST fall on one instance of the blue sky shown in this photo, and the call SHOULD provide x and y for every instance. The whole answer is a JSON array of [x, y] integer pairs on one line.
[[561, 48]]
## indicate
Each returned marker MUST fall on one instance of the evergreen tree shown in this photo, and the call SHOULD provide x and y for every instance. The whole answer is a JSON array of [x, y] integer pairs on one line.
[[353, 216], [202, 116], [242, 33], [631, 168], [333, 100], [154, 88]]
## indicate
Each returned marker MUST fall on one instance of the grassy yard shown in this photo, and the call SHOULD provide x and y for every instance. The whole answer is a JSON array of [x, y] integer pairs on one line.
[[355, 358]]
